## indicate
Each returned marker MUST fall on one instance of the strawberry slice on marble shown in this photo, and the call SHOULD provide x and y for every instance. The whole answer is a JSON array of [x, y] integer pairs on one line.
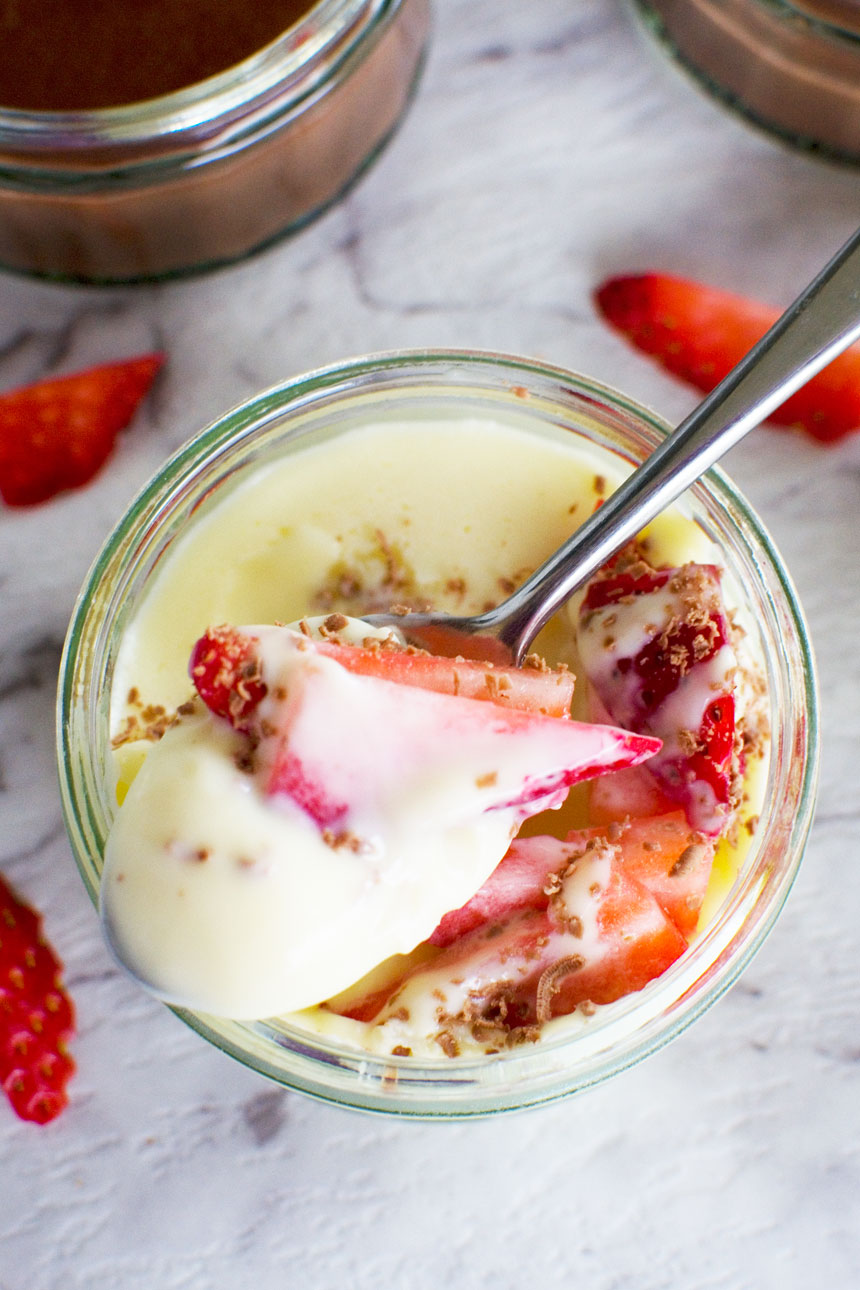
[[656, 646], [37, 1017], [349, 747], [57, 434], [699, 333]]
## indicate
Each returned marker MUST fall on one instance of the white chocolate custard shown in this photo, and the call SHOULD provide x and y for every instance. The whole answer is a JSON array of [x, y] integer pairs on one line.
[[221, 901]]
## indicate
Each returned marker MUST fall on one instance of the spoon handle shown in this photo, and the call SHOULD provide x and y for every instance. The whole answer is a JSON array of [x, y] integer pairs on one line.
[[823, 321]]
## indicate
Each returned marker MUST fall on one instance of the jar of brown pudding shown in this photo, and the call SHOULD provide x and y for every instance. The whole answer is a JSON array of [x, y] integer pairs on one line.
[[791, 66], [143, 139]]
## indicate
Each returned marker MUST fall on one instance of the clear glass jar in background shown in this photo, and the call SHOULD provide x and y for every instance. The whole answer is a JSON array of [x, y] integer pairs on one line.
[[210, 173], [318, 409], [789, 66]]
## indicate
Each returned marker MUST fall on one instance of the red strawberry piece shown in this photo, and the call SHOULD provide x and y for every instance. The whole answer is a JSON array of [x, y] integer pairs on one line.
[[225, 671], [497, 934], [390, 732], [530, 688], [629, 794], [622, 795], [660, 852], [639, 943], [36, 1015], [655, 645], [222, 669], [700, 333], [603, 935], [57, 434], [668, 858], [385, 736], [518, 882]]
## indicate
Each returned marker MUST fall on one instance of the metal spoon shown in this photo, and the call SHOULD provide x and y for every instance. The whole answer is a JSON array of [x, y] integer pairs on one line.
[[823, 321]]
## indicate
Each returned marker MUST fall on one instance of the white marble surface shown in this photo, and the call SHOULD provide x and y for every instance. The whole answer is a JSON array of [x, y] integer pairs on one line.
[[548, 147]]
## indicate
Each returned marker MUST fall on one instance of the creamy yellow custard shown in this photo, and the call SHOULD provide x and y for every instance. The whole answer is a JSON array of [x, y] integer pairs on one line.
[[454, 512]]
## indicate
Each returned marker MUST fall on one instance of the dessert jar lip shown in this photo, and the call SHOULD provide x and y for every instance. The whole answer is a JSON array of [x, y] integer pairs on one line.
[[787, 69], [812, 16], [806, 15], [211, 113], [633, 1027]]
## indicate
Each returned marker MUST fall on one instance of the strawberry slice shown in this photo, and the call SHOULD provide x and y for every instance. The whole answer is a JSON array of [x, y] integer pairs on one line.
[[700, 333], [601, 936], [660, 856], [531, 688], [36, 1015], [387, 737], [661, 852], [655, 645], [518, 882], [638, 941], [223, 670], [344, 745], [629, 794], [668, 858], [57, 434]]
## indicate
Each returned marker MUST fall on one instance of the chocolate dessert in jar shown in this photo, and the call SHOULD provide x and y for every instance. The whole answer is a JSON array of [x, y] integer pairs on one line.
[[789, 66], [145, 141]]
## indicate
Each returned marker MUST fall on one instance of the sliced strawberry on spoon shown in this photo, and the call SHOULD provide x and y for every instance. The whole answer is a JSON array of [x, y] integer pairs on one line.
[[346, 745], [338, 749], [656, 647], [223, 670], [532, 687], [699, 333]]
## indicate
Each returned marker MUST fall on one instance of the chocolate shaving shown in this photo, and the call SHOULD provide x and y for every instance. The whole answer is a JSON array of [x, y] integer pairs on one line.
[[689, 857], [550, 982]]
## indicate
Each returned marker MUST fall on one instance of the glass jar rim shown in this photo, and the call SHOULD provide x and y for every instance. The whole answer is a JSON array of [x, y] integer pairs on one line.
[[817, 22], [275, 77], [470, 1086]]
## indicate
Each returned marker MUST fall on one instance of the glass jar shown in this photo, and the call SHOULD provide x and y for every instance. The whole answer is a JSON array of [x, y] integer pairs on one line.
[[316, 411], [791, 67], [210, 173]]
